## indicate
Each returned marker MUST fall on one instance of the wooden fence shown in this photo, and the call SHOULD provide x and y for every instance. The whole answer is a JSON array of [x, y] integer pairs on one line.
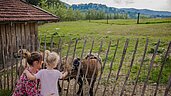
[[126, 70]]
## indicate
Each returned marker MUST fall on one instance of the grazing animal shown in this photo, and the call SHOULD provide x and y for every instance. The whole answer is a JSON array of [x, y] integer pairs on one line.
[[90, 68], [72, 72], [91, 65]]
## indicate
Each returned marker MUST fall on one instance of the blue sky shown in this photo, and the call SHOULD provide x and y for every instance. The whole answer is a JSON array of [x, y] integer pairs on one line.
[[160, 5]]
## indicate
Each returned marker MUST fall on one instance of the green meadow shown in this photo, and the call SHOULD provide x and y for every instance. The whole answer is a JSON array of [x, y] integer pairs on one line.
[[107, 34]]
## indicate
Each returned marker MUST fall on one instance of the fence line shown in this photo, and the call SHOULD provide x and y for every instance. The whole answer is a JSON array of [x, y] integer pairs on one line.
[[11, 66]]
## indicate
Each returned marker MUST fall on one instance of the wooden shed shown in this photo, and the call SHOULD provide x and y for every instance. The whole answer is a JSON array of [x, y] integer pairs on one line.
[[19, 26]]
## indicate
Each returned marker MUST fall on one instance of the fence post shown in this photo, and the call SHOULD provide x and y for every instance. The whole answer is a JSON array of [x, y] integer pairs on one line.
[[128, 74], [121, 62], [149, 70], [72, 61], [111, 65], [69, 46], [103, 67], [79, 68], [168, 87], [43, 65], [139, 71]]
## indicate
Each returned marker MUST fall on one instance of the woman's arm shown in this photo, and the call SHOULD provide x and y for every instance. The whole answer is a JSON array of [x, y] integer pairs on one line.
[[29, 75]]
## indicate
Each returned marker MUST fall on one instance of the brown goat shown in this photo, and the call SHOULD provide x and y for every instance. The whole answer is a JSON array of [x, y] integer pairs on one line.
[[90, 67]]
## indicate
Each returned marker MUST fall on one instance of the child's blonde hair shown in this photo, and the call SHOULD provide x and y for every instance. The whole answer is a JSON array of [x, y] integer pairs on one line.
[[52, 58]]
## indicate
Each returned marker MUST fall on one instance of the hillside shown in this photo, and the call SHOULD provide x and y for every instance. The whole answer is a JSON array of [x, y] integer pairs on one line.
[[112, 10]]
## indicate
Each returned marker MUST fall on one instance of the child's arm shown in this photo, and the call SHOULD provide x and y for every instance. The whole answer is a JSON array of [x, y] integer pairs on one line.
[[29, 75], [64, 74]]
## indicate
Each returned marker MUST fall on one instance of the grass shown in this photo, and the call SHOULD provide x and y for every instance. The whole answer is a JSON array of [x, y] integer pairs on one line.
[[98, 30], [5, 92]]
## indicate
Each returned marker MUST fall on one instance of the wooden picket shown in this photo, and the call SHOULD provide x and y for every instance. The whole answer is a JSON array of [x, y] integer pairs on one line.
[[9, 76]]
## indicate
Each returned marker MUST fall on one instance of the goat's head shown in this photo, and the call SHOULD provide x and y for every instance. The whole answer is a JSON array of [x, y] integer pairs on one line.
[[24, 53], [94, 56], [76, 63]]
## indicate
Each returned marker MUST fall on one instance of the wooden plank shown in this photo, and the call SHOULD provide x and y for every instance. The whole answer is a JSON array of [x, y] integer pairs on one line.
[[120, 66], [129, 71], [3, 43], [17, 48], [69, 46], [149, 70], [27, 31], [4, 72], [3, 53], [23, 38], [103, 66], [43, 66], [13, 38], [0, 58], [36, 36], [168, 87], [79, 67], [0, 81], [11, 56], [141, 64], [51, 43], [59, 49], [111, 65], [92, 78], [75, 47], [18, 34], [7, 53], [32, 36], [161, 69], [1, 49], [92, 45], [59, 44]]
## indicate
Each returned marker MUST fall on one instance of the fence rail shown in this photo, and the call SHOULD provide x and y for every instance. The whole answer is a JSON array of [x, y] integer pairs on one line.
[[129, 68]]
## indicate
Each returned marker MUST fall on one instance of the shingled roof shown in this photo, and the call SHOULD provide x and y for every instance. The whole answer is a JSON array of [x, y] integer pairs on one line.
[[16, 10]]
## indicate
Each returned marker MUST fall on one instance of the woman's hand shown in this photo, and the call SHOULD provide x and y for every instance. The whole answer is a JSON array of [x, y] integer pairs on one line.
[[29, 75]]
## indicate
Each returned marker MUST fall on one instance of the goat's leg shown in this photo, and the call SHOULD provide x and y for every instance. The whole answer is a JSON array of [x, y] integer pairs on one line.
[[59, 87], [91, 87], [80, 82]]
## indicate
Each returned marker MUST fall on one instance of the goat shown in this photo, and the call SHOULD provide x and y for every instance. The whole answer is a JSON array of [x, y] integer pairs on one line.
[[90, 66]]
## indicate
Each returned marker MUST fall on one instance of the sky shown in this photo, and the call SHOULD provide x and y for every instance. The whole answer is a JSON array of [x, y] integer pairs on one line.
[[159, 5]]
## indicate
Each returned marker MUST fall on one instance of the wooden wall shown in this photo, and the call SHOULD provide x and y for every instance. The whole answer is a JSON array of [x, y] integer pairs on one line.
[[14, 36]]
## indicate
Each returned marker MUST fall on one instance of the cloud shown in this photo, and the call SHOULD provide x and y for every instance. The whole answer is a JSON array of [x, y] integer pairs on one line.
[[117, 1], [129, 1], [123, 1]]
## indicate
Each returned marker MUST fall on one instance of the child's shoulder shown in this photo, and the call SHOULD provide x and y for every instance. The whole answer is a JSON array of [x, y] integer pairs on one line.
[[42, 70], [57, 71]]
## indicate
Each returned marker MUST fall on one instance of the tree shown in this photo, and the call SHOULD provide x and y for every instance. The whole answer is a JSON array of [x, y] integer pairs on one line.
[[33, 2]]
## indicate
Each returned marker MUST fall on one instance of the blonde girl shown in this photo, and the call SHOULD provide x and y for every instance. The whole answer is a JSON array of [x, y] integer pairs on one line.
[[48, 77]]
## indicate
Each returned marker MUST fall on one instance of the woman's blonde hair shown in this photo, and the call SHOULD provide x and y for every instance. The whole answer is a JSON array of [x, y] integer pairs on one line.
[[52, 58]]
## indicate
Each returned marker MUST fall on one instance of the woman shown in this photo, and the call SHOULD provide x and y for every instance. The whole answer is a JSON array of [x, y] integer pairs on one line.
[[24, 86], [49, 76]]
